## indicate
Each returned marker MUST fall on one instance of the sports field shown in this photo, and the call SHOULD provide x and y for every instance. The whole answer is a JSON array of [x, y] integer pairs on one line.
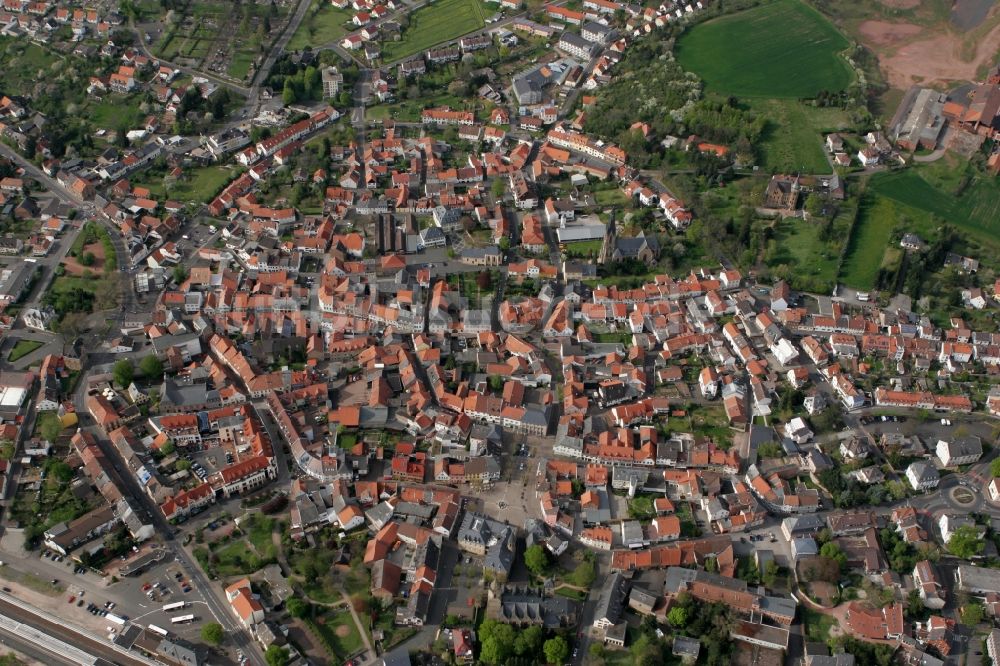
[[784, 49], [436, 23]]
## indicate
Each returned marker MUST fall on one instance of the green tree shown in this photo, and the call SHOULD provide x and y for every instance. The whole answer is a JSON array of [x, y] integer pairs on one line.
[[497, 642], [536, 559], [276, 655], [60, 470], [183, 465], [49, 426], [832, 551], [297, 608], [814, 205], [87, 259], [556, 650], [965, 542], [180, 273], [529, 641], [168, 448], [288, 95], [123, 372], [498, 188], [914, 605], [212, 633], [677, 617], [151, 367], [995, 467], [584, 574], [6, 449]]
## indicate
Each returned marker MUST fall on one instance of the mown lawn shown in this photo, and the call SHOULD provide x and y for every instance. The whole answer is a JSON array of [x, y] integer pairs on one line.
[[784, 49], [235, 559], [436, 23], [817, 626], [22, 349], [409, 111]]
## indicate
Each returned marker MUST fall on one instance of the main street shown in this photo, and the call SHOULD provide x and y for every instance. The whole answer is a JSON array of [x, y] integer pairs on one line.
[[213, 597]]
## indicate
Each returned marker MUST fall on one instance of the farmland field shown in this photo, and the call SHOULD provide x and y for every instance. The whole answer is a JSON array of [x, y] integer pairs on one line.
[[784, 49], [976, 211], [434, 24]]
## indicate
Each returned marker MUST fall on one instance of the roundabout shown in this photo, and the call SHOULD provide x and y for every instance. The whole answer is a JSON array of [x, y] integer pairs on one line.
[[962, 496]]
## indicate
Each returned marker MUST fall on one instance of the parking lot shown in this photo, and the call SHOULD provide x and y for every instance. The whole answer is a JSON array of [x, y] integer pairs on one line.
[[100, 603]]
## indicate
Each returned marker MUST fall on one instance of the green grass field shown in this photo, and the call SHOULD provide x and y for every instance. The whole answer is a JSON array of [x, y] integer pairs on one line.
[[116, 111], [322, 25], [794, 135], [867, 245], [239, 66], [22, 349], [339, 632], [797, 244], [784, 49], [236, 559], [199, 184], [436, 23]]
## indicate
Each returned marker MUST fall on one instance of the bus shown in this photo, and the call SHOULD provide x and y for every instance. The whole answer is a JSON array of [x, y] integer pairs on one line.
[[181, 619], [177, 605], [157, 630], [120, 621]]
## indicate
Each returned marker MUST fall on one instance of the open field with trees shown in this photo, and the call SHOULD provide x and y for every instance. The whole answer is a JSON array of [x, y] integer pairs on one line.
[[792, 140], [975, 210]]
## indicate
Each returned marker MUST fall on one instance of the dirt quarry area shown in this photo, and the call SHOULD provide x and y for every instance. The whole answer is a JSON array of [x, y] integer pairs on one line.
[[883, 33], [934, 60], [926, 49]]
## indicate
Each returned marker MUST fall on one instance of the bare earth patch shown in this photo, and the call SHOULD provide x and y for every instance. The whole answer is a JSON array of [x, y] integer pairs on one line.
[[938, 59], [342, 631], [883, 33], [74, 267]]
